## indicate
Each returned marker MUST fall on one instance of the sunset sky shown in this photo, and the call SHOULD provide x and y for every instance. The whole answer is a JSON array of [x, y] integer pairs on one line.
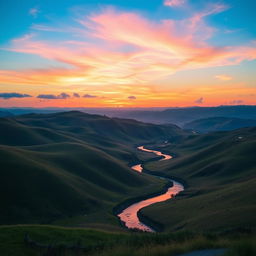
[[116, 53]]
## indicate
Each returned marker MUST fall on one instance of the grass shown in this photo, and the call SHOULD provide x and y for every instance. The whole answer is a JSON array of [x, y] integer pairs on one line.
[[244, 247], [70, 169], [64, 180], [60, 167], [220, 171], [101, 243]]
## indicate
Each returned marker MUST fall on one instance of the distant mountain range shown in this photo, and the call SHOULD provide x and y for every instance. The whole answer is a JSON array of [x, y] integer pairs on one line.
[[219, 124], [178, 116], [5, 113]]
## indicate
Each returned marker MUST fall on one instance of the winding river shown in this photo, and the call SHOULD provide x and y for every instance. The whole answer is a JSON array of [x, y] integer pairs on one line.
[[129, 216]]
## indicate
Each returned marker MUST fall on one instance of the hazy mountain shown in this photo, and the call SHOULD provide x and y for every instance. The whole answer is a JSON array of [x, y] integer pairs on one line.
[[178, 116], [219, 124], [5, 113]]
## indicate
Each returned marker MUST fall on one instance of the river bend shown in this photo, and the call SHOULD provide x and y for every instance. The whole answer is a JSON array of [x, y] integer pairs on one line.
[[129, 216]]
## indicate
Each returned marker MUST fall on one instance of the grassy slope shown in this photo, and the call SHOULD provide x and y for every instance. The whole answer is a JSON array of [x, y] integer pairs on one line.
[[116, 244], [220, 170], [62, 165]]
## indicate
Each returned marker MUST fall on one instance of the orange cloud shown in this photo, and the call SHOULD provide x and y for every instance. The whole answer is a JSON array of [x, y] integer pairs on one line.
[[128, 50], [159, 50], [224, 77]]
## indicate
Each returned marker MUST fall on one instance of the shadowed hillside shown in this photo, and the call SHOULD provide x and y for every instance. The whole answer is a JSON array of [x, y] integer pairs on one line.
[[220, 169], [86, 126], [61, 165], [5, 113]]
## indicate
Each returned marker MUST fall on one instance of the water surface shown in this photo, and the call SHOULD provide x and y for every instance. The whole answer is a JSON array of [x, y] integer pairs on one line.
[[158, 153], [130, 215]]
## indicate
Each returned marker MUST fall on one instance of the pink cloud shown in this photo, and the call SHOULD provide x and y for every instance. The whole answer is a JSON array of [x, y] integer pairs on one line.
[[200, 100], [224, 77], [157, 50], [236, 102], [173, 3], [34, 11]]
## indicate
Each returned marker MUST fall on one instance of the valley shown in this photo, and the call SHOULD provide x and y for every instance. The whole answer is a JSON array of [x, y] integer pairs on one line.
[[71, 167], [128, 128], [130, 216], [74, 172]]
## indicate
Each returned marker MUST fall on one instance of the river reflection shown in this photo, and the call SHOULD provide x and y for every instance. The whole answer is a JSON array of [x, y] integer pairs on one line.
[[129, 215], [137, 168], [158, 153]]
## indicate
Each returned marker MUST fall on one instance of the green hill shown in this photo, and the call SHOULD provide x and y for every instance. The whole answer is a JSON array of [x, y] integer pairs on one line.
[[59, 166], [72, 168], [220, 170]]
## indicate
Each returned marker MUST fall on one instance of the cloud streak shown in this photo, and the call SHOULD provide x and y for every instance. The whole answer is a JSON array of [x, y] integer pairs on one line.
[[61, 96], [174, 3], [132, 98], [76, 95], [200, 100], [8, 95], [237, 102], [224, 77], [125, 49], [89, 96]]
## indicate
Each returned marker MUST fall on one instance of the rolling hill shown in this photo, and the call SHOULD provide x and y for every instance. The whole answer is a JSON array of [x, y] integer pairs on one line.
[[58, 166], [71, 168], [5, 113], [220, 171]]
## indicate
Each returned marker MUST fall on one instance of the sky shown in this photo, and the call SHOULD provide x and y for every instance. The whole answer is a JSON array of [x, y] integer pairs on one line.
[[115, 53]]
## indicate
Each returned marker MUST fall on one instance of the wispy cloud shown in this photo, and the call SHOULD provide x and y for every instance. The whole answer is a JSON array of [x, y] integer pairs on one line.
[[34, 11], [174, 3], [8, 95], [41, 27], [200, 100], [224, 77], [54, 97], [90, 96], [76, 95], [132, 98], [236, 102], [156, 50]]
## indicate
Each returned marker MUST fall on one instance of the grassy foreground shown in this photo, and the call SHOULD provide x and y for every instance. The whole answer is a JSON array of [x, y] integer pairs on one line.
[[101, 243]]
